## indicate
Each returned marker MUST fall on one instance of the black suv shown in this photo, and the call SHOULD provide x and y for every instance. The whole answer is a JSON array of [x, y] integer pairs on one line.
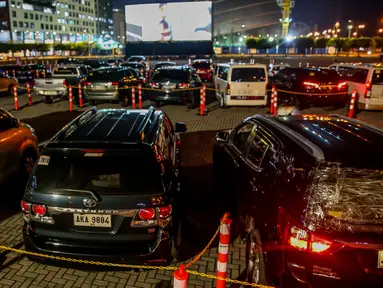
[[176, 84], [307, 192], [304, 87], [106, 188]]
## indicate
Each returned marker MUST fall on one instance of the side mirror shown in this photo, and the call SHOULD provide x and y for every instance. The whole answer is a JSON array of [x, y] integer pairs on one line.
[[15, 122], [181, 127], [222, 137]]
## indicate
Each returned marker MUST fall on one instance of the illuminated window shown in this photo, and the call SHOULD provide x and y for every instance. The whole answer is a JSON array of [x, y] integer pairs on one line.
[[3, 4]]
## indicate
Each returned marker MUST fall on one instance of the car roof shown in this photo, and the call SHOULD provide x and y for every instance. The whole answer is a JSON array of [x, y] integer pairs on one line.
[[335, 138], [165, 62], [179, 68], [103, 126]]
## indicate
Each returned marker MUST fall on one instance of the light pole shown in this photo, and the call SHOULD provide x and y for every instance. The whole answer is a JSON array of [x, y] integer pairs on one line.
[[360, 27], [349, 27]]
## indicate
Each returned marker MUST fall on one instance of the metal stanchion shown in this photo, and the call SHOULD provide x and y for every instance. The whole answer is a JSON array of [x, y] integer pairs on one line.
[[29, 94], [133, 98], [15, 97], [70, 98], [80, 95]]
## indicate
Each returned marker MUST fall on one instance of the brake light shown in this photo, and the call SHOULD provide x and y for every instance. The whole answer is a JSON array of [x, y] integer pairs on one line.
[[307, 241], [154, 85], [165, 212], [114, 83], [25, 206], [311, 85], [147, 214], [39, 210], [86, 83], [65, 83], [368, 92], [228, 89], [183, 85], [342, 85]]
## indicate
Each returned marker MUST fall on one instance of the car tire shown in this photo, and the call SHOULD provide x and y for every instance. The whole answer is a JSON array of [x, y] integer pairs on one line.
[[255, 264], [48, 99], [27, 162], [10, 90]]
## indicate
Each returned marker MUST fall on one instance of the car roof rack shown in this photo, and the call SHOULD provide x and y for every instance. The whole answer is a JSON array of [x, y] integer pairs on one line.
[[303, 142], [144, 123]]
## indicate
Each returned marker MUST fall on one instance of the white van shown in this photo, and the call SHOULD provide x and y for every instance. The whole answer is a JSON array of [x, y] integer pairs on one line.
[[367, 80], [241, 84]]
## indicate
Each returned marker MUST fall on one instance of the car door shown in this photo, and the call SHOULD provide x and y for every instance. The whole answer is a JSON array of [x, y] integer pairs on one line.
[[9, 145]]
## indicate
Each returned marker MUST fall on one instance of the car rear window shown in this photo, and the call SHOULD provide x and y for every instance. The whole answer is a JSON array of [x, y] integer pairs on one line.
[[248, 75], [106, 75], [168, 74], [118, 173], [161, 65], [201, 65], [377, 77], [65, 71], [357, 75], [322, 75]]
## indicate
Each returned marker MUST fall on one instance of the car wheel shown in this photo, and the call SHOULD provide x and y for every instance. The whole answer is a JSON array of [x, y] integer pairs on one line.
[[255, 265], [10, 90], [27, 163], [48, 99]]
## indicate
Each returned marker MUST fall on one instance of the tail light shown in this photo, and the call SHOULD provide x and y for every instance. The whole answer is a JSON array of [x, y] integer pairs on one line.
[[25, 206], [307, 241], [39, 210], [114, 83], [342, 85], [150, 217], [36, 213], [147, 214], [368, 92], [87, 83], [154, 85], [311, 85], [228, 89], [165, 211], [183, 85], [65, 83]]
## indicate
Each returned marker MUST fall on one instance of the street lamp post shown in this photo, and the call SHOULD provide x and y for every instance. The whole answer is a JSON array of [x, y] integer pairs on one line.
[[349, 27], [360, 27]]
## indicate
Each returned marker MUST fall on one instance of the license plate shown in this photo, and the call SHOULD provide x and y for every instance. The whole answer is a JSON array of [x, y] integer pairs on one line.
[[380, 259], [92, 220], [169, 86], [50, 92], [99, 87]]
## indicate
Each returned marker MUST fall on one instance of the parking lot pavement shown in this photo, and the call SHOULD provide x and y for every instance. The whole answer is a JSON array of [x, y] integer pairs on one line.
[[8, 102]]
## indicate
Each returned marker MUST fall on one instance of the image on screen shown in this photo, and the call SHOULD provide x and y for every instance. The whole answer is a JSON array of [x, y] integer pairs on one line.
[[185, 21]]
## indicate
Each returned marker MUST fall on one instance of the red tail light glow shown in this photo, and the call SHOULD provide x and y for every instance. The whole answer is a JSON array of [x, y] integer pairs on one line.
[[147, 214], [311, 85], [184, 85], [114, 83], [65, 83], [303, 240], [342, 85], [39, 210], [368, 92], [154, 85], [25, 206], [368, 85], [86, 83], [165, 212], [228, 89]]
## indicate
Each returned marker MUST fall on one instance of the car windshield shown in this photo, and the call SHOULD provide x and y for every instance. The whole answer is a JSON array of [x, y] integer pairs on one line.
[[65, 71], [169, 74], [105, 75], [377, 77], [201, 65], [248, 75], [119, 173]]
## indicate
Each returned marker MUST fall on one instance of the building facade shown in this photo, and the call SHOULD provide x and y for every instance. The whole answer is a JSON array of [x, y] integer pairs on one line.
[[104, 18], [119, 26], [49, 21]]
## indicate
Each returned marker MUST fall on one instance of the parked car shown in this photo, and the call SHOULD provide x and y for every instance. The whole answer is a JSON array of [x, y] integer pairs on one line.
[[7, 84], [169, 83], [307, 194], [303, 87], [106, 187], [68, 61], [18, 146], [95, 64], [56, 84], [274, 69], [111, 84], [137, 58], [241, 84], [135, 65], [367, 81], [114, 62], [204, 69]]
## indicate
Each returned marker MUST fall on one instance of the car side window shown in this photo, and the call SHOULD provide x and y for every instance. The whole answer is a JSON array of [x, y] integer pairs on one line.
[[241, 136], [223, 72], [5, 122], [261, 149]]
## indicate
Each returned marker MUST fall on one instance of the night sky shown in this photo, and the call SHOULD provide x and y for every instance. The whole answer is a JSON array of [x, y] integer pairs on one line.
[[321, 12]]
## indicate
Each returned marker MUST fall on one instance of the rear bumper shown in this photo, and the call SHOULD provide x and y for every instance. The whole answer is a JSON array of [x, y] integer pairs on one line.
[[102, 96], [156, 252], [174, 96], [320, 100], [205, 77], [46, 92]]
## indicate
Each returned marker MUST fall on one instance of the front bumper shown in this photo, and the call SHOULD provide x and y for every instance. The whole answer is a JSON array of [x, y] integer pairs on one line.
[[153, 253]]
